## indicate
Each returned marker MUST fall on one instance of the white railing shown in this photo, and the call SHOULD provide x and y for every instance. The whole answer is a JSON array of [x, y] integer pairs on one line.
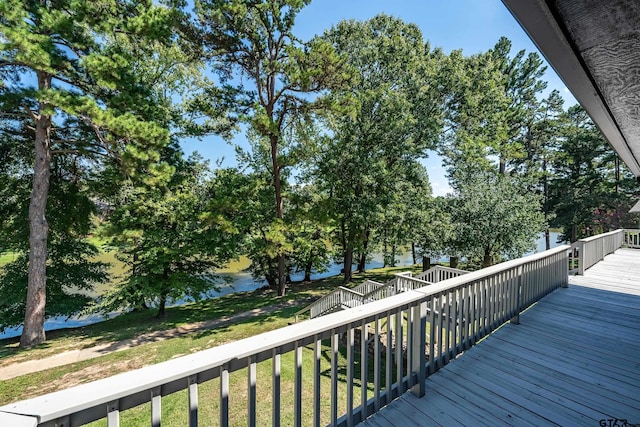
[[369, 290], [402, 339], [368, 286], [631, 238], [338, 298], [439, 273], [587, 252]]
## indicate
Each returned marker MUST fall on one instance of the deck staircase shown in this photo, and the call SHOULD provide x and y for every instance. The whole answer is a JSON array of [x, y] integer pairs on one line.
[[368, 291]]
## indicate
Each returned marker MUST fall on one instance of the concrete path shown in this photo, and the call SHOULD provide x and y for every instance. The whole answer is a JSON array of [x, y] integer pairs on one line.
[[72, 356]]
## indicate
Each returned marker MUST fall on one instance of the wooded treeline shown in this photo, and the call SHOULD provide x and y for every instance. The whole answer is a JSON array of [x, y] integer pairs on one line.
[[96, 98]]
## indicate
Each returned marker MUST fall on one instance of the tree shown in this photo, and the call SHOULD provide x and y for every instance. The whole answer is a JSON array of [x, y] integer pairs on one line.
[[169, 238], [310, 232], [493, 98], [432, 230], [583, 185], [66, 67], [255, 38], [71, 271], [406, 213], [398, 117], [494, 215], [541, 141]]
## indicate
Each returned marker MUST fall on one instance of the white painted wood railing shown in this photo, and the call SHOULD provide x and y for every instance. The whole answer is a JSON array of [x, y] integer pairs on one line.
[[402, 339], [631, 238], [587, 252], [439, 273], [369, 291], [368, 286]]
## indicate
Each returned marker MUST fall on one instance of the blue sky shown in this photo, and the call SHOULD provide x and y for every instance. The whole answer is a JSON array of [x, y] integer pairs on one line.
[[471, 25]]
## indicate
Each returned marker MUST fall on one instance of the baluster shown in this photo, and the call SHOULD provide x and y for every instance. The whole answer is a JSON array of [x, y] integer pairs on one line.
[[399, 358], [113, 414], [251, 391], [432, 333], [317, 352], [376, 364], [224, 395], [275, 388], [388, 373], [364, 365], [334, 379], [297, 407], [193, 400], [419, 319], [156, 407], [350, 343]]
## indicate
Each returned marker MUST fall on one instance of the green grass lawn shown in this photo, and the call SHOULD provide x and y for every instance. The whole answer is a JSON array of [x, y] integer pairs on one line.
[[7, 257]]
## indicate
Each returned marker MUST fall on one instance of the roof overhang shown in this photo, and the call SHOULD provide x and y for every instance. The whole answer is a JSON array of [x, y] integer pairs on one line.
[[635, 208], [594, 46]]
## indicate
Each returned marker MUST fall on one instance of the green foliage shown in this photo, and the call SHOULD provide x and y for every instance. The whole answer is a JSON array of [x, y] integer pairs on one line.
[[588, 193], [90, 49], [494, 216], [432, 229], [309, 231], [169, 239], [245, 199], [70, 74], [493, 97], [286, 78], [71, 271], [364, 165]]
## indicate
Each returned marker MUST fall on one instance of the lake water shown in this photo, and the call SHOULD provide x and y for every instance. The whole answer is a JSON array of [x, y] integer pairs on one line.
[[242, 282]]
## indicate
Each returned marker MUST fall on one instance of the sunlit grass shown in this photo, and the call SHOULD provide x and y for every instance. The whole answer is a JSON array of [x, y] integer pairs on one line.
[[7, 257]]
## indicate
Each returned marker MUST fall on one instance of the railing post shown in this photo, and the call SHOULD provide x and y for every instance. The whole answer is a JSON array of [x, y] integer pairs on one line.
[[516, 319], [580, 258], [418, 346], [565, 271]]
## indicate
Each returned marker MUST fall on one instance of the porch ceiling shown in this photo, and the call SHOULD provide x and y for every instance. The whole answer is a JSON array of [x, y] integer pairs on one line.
[[594, 46]]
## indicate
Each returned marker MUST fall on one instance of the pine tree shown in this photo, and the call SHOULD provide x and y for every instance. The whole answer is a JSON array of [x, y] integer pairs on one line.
[[68, 68]]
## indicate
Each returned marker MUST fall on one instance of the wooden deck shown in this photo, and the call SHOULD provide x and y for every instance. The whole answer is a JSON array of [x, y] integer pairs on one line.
[[574, 359]]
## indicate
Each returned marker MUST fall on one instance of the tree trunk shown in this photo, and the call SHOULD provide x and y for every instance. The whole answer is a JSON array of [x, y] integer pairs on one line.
[[385, 252], [453, 262], [163, 294], [547, 238], [362, 262], [307, 272], [545, 204], [348, 264], [277, 186], [33, 331], [488, 259], [413, 253], [161, 306], [362, 259], [426, 263]]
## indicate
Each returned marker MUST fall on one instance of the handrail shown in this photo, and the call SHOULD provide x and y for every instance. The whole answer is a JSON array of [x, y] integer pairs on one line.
[[471, 306], [631, 238], [439, 273], [593, 249], [367, 286], [370, 290]]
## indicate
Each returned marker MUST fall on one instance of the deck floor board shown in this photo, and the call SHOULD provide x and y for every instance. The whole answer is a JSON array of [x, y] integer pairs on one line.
[[574, 359]]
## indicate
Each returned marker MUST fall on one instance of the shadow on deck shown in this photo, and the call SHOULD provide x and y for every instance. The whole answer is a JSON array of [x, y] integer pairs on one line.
[[574, 359]]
